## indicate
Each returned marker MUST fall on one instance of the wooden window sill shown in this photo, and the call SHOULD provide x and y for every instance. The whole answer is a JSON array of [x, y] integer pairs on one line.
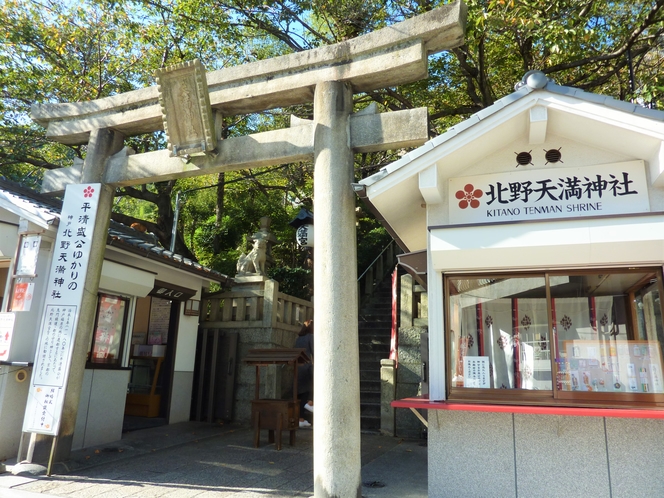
[[424, 403]]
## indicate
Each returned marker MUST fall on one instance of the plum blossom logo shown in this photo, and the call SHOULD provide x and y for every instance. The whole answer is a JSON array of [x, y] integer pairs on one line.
[[526, 321], [88, 191], [566, 322], [468, 196]]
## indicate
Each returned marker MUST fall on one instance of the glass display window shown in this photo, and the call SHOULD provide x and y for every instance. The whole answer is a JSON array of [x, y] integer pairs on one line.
[[109, 332], [563, 337]]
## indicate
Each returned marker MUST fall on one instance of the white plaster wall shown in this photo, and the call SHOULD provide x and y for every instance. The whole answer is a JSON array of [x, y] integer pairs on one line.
[[185, 358], [8, 233], [181, 395], [13, 398], [475, 454]]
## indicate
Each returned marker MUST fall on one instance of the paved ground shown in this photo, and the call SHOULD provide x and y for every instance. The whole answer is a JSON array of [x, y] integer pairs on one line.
[[212, 461]]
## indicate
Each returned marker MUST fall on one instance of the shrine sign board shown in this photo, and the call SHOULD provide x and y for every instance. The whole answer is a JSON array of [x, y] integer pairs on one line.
[[601, 190]]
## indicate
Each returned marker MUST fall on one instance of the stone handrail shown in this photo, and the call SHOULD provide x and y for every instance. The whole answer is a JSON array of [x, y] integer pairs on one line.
[[255, 308]]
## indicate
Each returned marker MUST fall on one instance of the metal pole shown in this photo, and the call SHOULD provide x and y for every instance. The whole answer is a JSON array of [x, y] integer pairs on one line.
[[176, 215]]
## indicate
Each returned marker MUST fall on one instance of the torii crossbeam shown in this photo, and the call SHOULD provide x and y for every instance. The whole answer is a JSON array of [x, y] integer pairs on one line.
[[328, 77]]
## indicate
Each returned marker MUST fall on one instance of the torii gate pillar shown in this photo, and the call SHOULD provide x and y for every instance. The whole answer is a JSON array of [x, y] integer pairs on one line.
[[337, 460]]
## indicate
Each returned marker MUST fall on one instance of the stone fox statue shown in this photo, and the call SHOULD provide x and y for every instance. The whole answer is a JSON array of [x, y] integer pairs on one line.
[[254, 262]]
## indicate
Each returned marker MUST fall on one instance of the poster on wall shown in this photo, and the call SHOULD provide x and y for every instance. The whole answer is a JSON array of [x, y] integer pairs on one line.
[[22, 296], [106, 345], [476, 372], [6, 332], [27, 255], [160, 312], [64, 293]]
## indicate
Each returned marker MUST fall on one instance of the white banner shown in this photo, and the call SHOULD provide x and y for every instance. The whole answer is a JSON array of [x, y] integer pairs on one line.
[[62, 305], [536, 194]]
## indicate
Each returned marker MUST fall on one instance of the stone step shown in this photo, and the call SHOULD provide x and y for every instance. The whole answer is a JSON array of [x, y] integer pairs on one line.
[[370, 409], [369, 385], [370, 396], [370, 423], [377, 328], [371, 374], [374, 324], [384, 313], [370, 341], [375, 356], [370, 365], [374, 335], [382, 307]]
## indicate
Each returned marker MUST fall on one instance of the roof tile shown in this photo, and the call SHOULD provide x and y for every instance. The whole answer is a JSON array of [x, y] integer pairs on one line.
[[117, 232]]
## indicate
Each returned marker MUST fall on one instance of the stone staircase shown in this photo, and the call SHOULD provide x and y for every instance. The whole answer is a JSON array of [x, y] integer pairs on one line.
[[374, 337]]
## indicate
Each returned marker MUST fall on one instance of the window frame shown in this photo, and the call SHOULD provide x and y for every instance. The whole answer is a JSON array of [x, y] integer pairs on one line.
[[555, 396]]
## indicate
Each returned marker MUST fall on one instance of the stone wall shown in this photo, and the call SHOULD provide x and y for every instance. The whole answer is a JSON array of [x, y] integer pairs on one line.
[[263, 318], [413, 320], [275, 381], [504, 454], [409, 380]]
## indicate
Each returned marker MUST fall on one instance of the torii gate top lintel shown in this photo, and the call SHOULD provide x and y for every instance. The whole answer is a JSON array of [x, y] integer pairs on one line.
[[390, 56]]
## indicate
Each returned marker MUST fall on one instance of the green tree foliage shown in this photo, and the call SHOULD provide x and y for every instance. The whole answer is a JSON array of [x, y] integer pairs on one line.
[[55, 51]]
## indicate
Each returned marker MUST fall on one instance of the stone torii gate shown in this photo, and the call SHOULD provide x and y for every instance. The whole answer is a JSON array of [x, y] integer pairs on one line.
[[328, 76]]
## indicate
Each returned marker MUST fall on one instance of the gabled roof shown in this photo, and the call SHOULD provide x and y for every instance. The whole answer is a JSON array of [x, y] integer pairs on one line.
[[38, 209], [537, 109], [531, 82], [44, 211]]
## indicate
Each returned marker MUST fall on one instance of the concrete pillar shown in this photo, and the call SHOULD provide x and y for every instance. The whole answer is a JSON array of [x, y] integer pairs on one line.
[[388, 388], [337, 464], [406, 311], [102, 144]]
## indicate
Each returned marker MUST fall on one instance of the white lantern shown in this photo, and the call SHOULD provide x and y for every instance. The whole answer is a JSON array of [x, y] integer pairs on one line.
[[305, 235]]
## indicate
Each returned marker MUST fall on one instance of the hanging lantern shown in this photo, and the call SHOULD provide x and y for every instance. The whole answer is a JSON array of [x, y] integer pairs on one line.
[[305, 235]]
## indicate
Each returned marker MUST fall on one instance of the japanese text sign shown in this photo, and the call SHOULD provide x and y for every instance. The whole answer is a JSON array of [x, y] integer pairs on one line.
[[537, 194], [476, 371], [64, 293]]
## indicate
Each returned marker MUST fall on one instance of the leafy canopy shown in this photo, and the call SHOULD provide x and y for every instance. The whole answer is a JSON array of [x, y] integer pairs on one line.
[[54, 51]]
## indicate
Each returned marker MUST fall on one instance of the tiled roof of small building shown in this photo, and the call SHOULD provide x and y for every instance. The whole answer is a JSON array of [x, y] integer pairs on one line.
[[119, 235]]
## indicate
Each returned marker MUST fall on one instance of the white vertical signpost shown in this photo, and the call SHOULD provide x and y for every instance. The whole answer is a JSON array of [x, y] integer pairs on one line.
[[61, 310]]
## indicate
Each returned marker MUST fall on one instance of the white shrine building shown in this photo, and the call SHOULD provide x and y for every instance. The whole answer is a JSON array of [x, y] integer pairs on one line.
[[541, 219]]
